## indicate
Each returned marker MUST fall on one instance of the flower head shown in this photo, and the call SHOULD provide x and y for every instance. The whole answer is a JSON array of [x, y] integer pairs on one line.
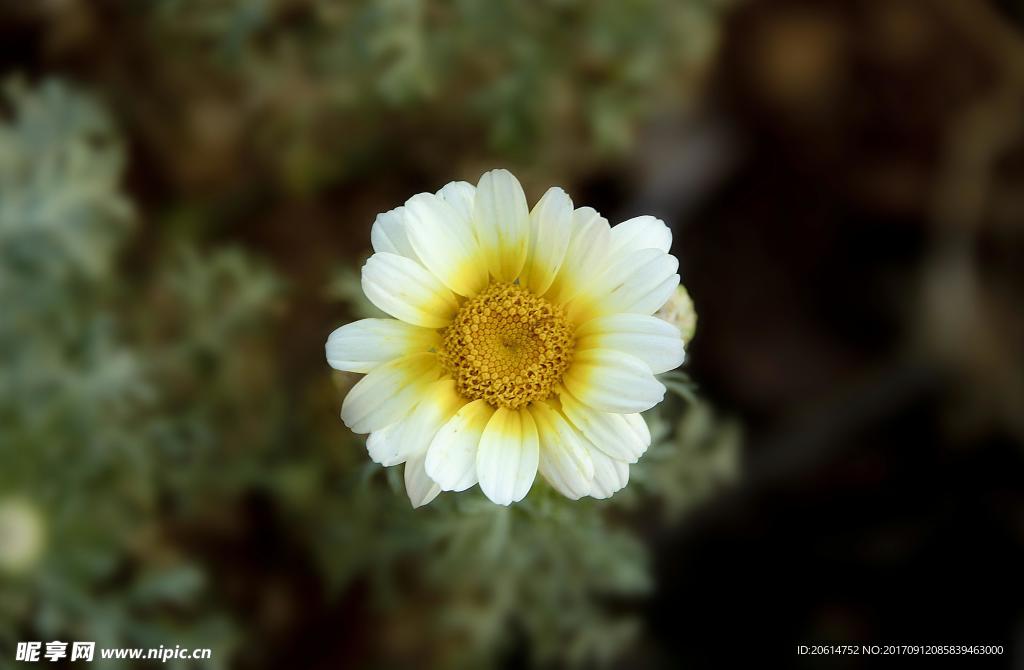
[[522, 342]]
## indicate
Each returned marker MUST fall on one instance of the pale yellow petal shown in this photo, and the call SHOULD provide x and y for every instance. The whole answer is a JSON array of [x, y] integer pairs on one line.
[[617, 435], [451, 457], [639, 425], [461, 195], [408, 291], [389, 392], [610, 475], [652, 340], [507, 460], [382, 446], [445, 243], [362, 345], [639, 282], [387, 235], [611, 381], [643, 295], [420, 488], [585, 256], [501, 220], [436, 407], [550, 230], [564, 459], [641, 232]]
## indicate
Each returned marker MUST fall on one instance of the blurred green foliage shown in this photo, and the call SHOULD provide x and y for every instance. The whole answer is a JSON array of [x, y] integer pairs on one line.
[[151, 402], [557, 83], [78, 401]]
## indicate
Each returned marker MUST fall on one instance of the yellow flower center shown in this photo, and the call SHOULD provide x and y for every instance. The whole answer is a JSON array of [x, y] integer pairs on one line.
[[507, 346]]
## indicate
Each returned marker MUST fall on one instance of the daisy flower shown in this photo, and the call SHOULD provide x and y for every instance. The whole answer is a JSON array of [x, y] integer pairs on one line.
[[522, 342]]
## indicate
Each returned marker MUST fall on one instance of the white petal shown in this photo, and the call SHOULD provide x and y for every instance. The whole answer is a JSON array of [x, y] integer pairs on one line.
[[642, 232], [444, 241], [639, 282], [550, 229], [502, 223], [362, 345], [585, 256], [388, 393], [612, 381], [436, 406], [451, 457], [461, 195], [643, 297], [610, 475], [408, 291], [421, 488], [506, 462], [382, 447], [640, 428], [564, 460], [411, 435], [647, 270], [388, 234], [615, 434], [652, 340]]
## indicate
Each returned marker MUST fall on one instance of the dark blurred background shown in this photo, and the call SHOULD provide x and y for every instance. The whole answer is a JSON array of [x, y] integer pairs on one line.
[[186, 193]]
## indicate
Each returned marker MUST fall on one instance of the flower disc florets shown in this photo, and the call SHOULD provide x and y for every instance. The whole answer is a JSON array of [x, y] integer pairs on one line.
[[507, 346]]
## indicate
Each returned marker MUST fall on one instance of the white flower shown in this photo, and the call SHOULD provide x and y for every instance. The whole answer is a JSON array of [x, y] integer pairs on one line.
[[523, 342], [21, 535]]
